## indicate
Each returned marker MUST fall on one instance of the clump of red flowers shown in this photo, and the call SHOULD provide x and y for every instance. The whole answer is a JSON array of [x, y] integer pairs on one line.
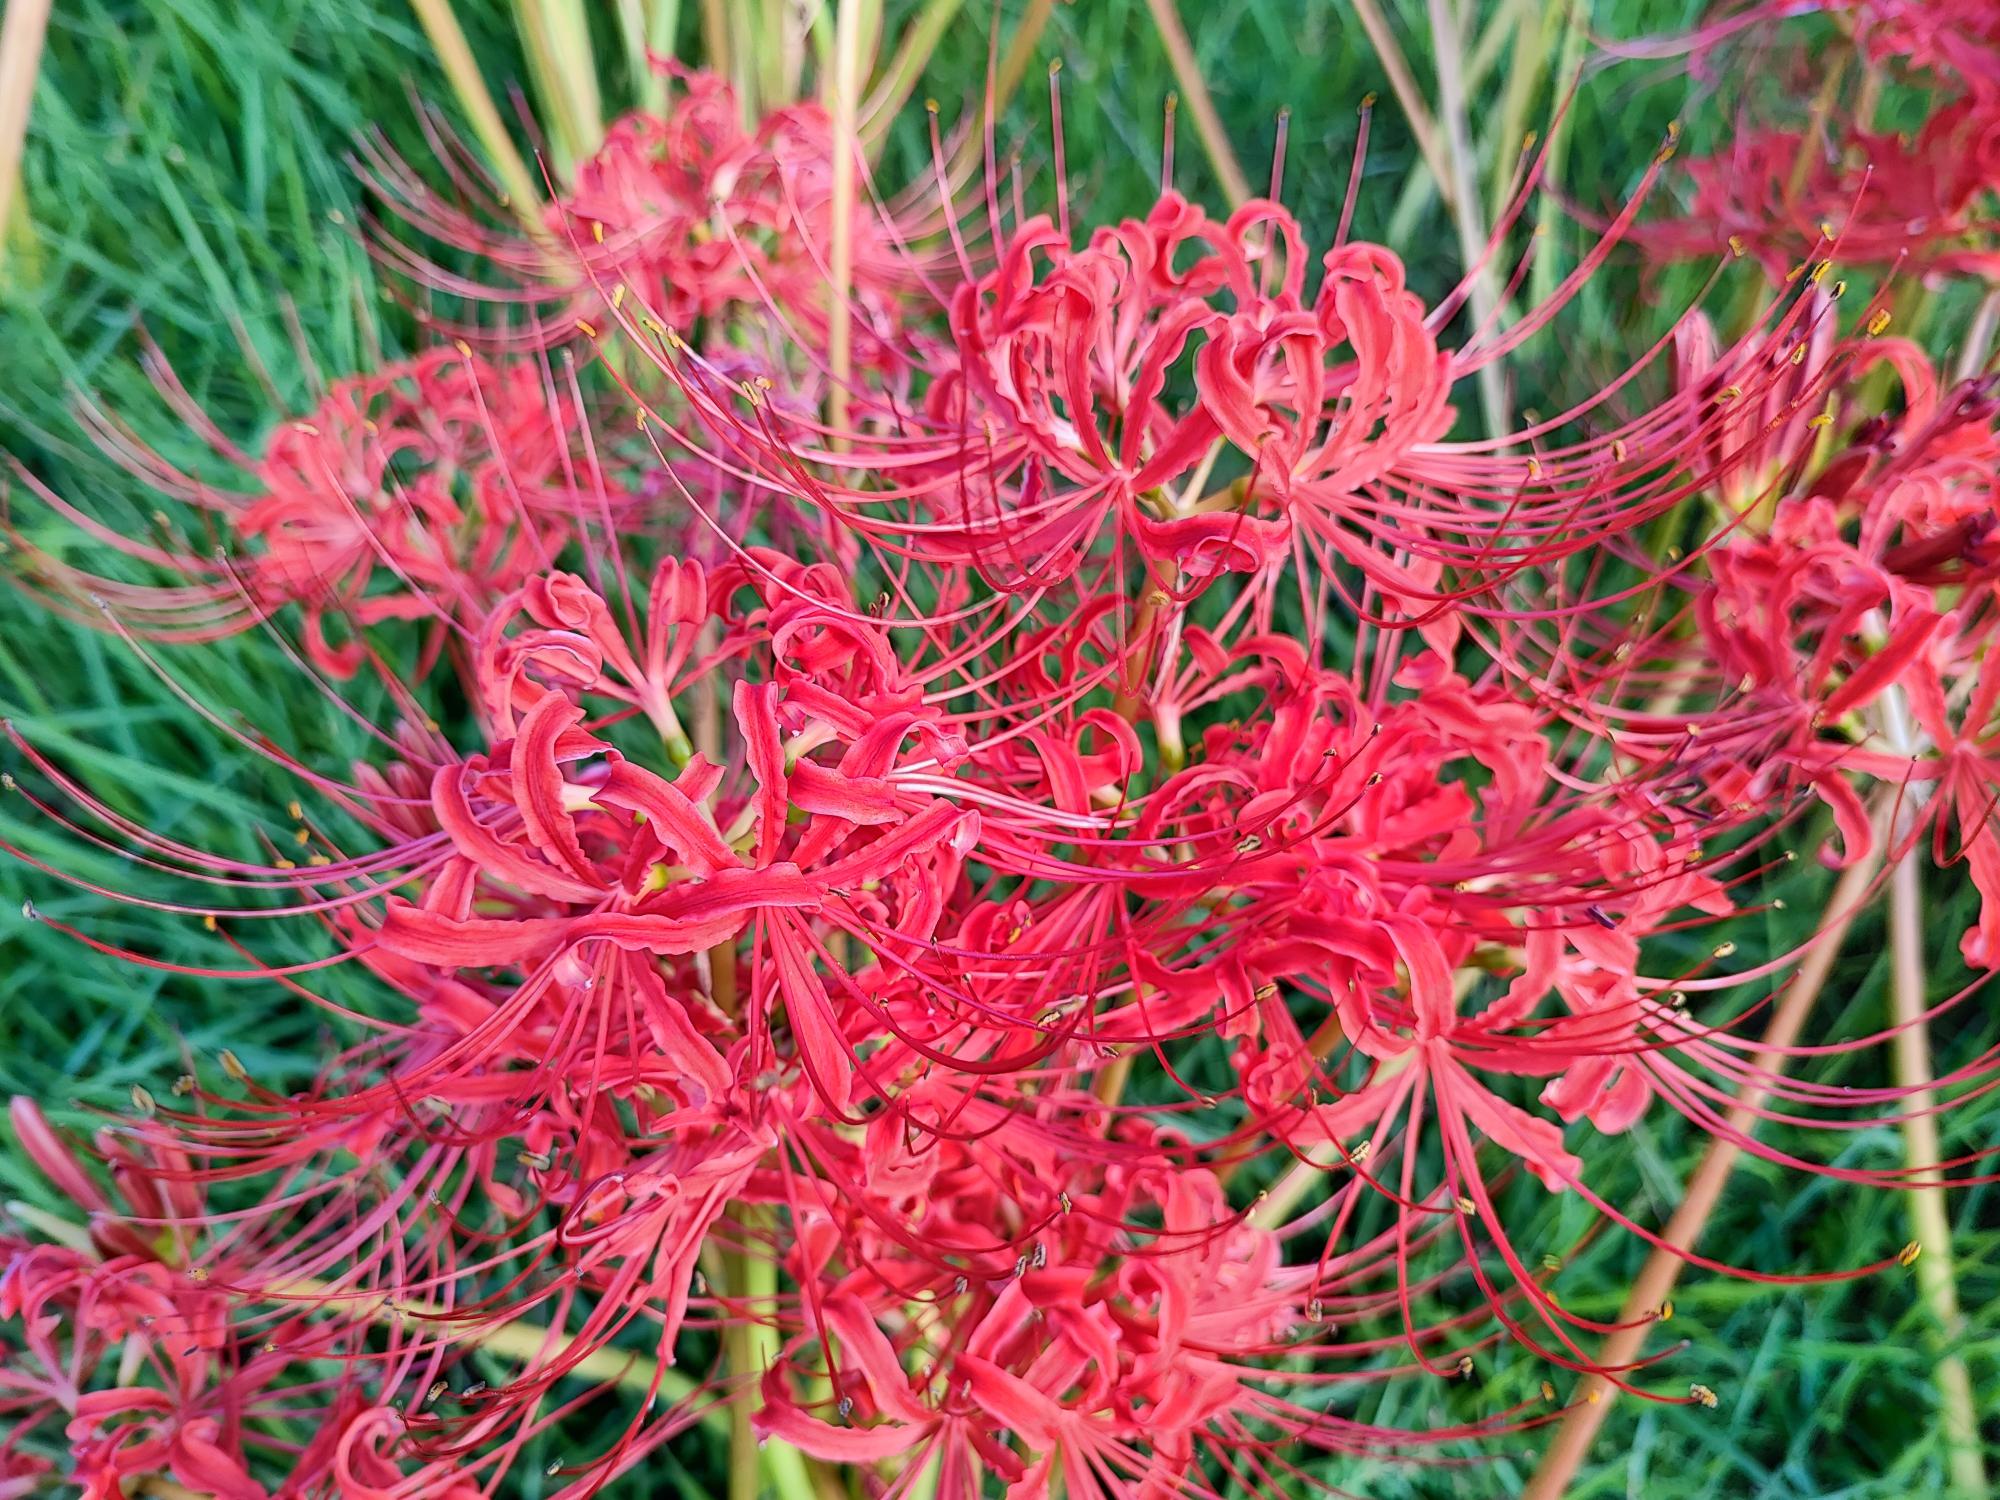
[[1045, 922], [1920, 198]]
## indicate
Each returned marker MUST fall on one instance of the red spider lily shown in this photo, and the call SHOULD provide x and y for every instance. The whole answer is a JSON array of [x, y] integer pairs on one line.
[[192, 1384], [1958, 40], [1075, 1015], [417, 492], [687, 213], [1880, 198], [1870, 199], [1057, 446]]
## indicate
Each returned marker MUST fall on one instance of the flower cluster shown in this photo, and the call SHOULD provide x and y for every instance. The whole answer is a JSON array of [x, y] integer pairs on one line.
[[1047, 924], [1879, 197]]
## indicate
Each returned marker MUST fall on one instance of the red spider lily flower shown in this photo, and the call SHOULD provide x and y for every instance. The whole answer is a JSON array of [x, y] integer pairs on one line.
[[1869, 199], [1880, 198], [193, 1385], [1057, 918], [1057, 444], [687, 213], [417, 492], [1956, 39]]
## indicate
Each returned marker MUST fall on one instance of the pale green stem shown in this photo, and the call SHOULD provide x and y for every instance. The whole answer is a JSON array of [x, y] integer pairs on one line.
[[647, 27], [844, 94], [750, 1345], [461, 69], [556, 38], [1545, 273], [1420, 185], [1532, 43], [1465, 210], [718, 42], [897, 81]]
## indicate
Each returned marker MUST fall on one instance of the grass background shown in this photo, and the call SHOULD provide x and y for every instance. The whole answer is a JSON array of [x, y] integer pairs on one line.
[[187, 159]]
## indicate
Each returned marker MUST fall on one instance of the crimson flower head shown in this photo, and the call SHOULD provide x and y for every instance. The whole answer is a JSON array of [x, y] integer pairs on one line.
[[1024, 872]]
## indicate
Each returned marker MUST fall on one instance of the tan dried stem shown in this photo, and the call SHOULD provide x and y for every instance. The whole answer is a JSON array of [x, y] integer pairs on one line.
[[461, 70], [1930, 1221], [1662, 1270], [21, 37]]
